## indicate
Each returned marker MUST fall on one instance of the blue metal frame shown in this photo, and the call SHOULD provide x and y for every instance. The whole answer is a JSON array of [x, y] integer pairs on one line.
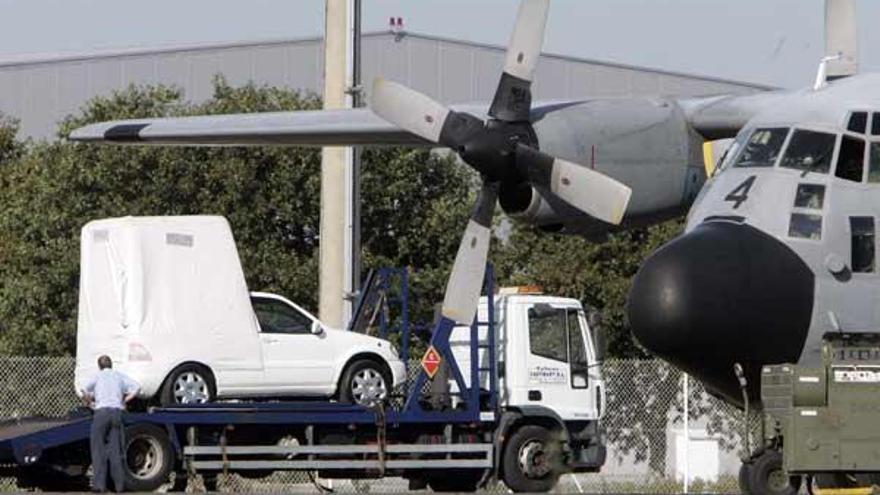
[[378, 284], [412, 409]]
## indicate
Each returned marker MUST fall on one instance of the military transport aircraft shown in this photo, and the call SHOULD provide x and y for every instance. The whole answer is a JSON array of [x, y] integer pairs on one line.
[[779, 246]]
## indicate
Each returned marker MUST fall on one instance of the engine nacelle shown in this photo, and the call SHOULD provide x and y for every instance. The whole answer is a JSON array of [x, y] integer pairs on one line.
[[539, 207], [645, 143]]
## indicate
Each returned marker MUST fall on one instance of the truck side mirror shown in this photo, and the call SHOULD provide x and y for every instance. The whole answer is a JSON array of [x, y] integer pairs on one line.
[[597, 330]]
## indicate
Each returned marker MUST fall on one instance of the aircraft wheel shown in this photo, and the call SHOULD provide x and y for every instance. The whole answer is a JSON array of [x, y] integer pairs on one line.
[[766, 476]]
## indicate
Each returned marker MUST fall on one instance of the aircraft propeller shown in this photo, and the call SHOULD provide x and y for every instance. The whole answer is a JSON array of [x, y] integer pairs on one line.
[[504, 150]]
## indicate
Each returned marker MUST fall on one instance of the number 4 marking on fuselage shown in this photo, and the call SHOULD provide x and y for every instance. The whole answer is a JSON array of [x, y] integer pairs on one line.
[[739, 195]]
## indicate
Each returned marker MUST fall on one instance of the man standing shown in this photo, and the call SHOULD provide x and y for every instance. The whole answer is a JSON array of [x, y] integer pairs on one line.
[[108, 392]]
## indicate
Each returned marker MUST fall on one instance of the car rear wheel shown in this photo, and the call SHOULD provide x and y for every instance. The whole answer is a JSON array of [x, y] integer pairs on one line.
[[365, 382], [188, 384]]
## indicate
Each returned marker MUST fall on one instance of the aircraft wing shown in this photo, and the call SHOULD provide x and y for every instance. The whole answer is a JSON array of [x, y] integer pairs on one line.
[[713, 117], [305, 128]]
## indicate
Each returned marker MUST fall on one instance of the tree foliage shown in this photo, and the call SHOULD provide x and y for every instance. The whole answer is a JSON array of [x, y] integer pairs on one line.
[[412, 200], [597, 273]]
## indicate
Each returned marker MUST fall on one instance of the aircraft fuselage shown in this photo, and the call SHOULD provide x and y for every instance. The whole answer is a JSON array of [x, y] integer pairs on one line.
[[779, 246]]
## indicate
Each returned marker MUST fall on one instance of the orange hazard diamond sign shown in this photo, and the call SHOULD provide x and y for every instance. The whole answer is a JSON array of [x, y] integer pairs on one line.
[[431, 361]]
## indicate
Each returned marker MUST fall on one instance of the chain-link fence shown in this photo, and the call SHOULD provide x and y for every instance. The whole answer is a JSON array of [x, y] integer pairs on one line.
[[649, 450]]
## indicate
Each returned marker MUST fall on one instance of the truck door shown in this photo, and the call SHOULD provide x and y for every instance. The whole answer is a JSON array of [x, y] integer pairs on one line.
[[558, 372]]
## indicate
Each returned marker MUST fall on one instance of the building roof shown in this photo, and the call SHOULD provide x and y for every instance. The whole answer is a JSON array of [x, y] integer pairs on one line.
[[29, 59]]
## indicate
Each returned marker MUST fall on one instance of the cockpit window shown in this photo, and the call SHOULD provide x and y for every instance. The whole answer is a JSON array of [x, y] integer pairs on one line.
[[862, 239], [763, 147], [851, 159], [875, 124], [805, 226], [810, 196], [874, 163], [858, 121], [810, 151], [732, 152]]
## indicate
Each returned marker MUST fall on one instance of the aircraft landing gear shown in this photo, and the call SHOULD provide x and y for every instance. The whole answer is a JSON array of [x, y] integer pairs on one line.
[[763, 474]]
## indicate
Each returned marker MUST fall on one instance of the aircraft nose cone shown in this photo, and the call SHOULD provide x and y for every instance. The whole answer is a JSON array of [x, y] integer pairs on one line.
[[721, 294]]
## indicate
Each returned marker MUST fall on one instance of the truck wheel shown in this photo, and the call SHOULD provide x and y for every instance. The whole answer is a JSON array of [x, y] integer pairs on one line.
[[767, 476], [148, 457], [532, 460], [459, 480], [188, 384], [365, 383]]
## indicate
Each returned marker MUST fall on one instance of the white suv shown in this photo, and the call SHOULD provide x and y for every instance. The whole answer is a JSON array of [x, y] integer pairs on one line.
[[166, 299]]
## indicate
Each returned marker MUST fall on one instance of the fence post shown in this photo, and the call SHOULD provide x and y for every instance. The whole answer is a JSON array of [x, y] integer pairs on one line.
[[687, 434]]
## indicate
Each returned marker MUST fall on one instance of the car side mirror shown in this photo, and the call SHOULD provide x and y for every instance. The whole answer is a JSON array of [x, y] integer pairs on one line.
[[317, 328]]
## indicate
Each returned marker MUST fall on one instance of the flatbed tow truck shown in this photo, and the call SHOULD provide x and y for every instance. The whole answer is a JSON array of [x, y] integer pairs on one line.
[[454, 428]]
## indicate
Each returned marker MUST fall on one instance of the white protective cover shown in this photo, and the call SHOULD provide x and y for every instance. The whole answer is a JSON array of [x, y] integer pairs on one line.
[[173, 285]]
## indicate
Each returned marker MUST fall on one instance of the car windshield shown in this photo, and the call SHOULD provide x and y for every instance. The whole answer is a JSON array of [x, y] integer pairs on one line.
[[762, 148], [810, 151]]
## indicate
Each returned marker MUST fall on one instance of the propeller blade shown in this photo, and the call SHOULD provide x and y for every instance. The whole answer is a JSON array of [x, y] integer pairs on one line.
[[408, 109], [466, 280], [513, 98], [527, 39], [584, 188]]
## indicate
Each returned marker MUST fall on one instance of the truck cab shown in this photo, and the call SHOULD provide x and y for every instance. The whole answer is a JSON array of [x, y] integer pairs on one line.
[[548, 355], [548, 372]]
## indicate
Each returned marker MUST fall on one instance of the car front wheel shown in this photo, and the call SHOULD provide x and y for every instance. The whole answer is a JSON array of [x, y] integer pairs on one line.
[[365, 382]]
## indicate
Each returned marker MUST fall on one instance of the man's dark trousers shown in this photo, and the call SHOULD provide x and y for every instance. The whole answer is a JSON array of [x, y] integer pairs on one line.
[[106, 443]]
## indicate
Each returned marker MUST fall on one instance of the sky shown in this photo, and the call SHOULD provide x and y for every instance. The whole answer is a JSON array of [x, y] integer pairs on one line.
[[775, 42]]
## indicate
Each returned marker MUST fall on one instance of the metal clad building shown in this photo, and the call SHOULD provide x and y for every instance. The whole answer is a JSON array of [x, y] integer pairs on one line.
[[40, 91]]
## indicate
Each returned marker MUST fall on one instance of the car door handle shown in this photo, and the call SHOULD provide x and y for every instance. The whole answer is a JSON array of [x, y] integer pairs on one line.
[[270, 341]]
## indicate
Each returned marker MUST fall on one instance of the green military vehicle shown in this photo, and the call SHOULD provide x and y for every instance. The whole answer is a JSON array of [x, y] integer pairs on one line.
[[825, 420]]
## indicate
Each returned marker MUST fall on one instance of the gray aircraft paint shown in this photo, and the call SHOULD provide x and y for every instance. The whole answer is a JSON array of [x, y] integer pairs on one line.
[[852, 299]]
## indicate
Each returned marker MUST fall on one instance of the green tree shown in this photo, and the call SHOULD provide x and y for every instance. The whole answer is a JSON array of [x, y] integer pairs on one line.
[[270, 196], [599, 274], [10, 146]]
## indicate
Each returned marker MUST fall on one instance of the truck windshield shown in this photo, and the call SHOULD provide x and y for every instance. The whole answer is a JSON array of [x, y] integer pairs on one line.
[[547, 333]]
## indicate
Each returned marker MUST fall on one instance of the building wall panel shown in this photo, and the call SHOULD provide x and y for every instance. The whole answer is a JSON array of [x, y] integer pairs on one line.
[[41, 92]]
